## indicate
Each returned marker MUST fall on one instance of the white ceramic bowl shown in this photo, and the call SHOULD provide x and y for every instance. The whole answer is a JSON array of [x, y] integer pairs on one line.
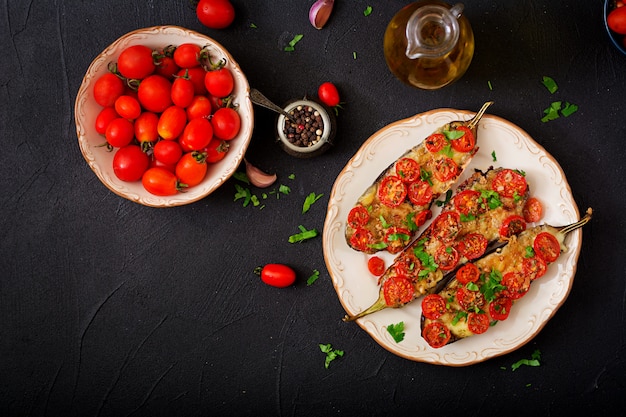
[[100, 160]]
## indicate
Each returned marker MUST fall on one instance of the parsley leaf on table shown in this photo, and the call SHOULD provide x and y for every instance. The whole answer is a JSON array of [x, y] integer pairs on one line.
[[331, 354]]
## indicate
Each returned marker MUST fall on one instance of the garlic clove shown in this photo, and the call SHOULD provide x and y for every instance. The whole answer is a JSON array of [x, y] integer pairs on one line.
[[257, 177], [320, 12]]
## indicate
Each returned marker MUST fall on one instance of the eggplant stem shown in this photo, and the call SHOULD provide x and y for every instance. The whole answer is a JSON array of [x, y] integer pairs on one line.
[[580, 223], [380, 304], [474, 120]]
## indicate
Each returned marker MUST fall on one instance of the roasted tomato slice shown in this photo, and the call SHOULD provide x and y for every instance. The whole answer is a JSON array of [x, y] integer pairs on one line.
[[547, 247], [408, 170], [446, 226], [466, 142], [397, 291], [509, 183], [512, 225], [376, 266], [435, 142], [517, 285], [467, 273], [500, 308], [533, 210], [436, 334], [421, 217], [361, 239], [445, 169], [470, 300], [472, 246], [420, 193], [407, 265], [433, 306], [392, 191], [469, 203], [534, 267], [477, 323], [358, 216], [446, 257], [397, 238]]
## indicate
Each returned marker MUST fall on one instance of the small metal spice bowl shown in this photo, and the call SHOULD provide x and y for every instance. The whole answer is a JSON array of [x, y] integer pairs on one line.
[[311, 134]]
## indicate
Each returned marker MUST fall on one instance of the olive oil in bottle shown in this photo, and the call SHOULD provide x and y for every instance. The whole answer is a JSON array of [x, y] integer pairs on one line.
[[429, 44]]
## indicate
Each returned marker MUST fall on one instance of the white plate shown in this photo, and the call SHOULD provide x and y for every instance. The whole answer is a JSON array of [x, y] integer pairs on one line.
[[357, 288]]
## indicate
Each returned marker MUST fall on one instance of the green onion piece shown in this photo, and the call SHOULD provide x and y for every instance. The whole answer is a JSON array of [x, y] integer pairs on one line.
[[293, 42], [550, 84], [303, 235]]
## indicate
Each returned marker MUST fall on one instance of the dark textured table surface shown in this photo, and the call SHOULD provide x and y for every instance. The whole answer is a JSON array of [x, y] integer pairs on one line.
[[111, 308]]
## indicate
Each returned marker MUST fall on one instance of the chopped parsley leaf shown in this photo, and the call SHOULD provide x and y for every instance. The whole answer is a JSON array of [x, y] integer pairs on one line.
[[550, 84], [552, 112], [331, 354], [396, 331], [533, 361], [367, 11], [313, 278], [309, 200], [492, 285], [303, 235], [493, 156], [292, 43], [569, 109]]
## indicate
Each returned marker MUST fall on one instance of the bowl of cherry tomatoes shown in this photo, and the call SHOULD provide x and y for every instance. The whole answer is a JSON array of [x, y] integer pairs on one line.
[[615, 23], [164, 116]]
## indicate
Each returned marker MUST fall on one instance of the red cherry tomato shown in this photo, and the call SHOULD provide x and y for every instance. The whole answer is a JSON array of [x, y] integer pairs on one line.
[[436, 334], [219, 82], [200, 107], [534, 267], [165, 64], [197, 134], [512, 225], [435, 142], [446, 226], [469, 300], [105, 117], [477, 323], [420, 193], [422, 216], [182, 91], [397, 291], [533, 210], [191, 168], [216, 150], [172, 122], [167, 152], [408, 169], [328, 94], [277, 275], [466, 142], [107, 89], [226, 123], [468, 273], [196, 75], [376, 266], [128, 107], [120, 132], [154, 93], [136, 62], [146, 127], [397, 238], [358, 216], [500, 308], [392, 191], [446, 257], [472, 246], [517, 285], [616, 20], [215, 14], [187, 55], [161, 182], [445, 169], [469, 203], [361, 240], [130, 162], [547, 247], [433, 306], [509, 183]]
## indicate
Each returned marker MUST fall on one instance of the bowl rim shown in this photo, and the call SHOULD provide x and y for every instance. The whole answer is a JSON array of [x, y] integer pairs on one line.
[[612, 35], [85, 131]]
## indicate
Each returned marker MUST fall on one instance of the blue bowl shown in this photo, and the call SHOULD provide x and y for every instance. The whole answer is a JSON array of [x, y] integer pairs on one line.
[[616, 38]]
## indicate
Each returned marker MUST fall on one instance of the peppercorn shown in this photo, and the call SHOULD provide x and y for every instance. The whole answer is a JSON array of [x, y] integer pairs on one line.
[[306, 129]]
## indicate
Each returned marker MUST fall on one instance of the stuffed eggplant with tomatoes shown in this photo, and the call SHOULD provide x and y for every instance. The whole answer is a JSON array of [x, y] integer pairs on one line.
[[482, 293], [485, 210], [388, 214]]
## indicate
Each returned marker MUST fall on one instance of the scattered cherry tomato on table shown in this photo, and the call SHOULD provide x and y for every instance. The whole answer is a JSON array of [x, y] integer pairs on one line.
[[328, 93], [276, 275], [215, 14]]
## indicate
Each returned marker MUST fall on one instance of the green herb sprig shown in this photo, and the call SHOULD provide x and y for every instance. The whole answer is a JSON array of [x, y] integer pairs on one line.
[[303, 235], [331, 354]]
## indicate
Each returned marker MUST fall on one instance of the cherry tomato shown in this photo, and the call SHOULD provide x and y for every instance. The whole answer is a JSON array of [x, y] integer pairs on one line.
[[397, 291], [420, 193], [107, 89], [226, 123], [197, 134], [161, 182], [219, 82], [127, 107], [215, 14], [469, 300], [477, 323], [328, 94], [172, 122], [533, 210], [516, 283], [534, 267], [155, 163], [433, 306], [547, 247], [278, 275], [467, 273], [500, 308], [436, 334], [422, 216], [361, 240], [466, 142], [146, 127], [200, 107], [397, 238], [408, 169], [105, 117], [216, 150], [435, 142], [512, 225], [469, 203], [187, 55], [376, 266], [120, 132], [407, 265], [446, 257], [392, 191], [165, 64], [446, 226], [167, 152], [472, 246], [445, 169], [616, 20], [196, 75], [182, 91], [358, 216], [191, 168], [509, 183], [154, 93], [130, 162], [136, 62]]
